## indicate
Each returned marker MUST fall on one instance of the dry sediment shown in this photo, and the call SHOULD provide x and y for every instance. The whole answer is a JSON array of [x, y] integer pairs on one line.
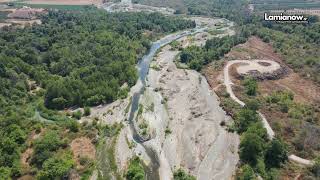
[[196, 141]]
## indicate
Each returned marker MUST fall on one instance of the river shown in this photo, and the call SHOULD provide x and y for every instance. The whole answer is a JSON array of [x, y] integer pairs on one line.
[[143, 69], [152, 169]]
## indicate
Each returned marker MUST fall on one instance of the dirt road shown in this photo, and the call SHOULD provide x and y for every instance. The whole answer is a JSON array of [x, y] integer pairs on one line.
[[254, 65]]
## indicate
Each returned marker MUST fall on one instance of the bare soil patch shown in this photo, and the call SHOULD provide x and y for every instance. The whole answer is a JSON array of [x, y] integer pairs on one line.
[[25, 156], [305, 91], [299, 133], [254, 48], [26, 177], [82, 148], [264, 64], [214, 74]]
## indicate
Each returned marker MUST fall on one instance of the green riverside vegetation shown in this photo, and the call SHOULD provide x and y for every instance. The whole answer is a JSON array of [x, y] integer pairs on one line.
[[73, 59]]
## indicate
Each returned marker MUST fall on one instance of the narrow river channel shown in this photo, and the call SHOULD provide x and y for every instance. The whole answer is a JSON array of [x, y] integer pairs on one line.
[[152, 169], [143, 68]]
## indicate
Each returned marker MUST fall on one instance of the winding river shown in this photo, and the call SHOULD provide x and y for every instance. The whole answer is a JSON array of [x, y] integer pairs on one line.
[[152, 169], [143, 69]]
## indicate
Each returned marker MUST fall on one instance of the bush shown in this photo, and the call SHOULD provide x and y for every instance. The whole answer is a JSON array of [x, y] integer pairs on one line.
[[44, 147], [253, 104], [251, 148], [135, 170], [5, 173], [87, 111], [180, 174], [315, 169], [56, 167], [72, 125], [244, 118], [276, 154], [251, 86], [37, 127], [77, 114], [247, 173]]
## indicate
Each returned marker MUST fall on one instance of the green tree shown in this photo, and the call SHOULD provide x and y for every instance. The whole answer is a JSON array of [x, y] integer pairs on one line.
[[56, 167], [77, 114], [276, 154], [87, 111], [253, 104], [135, 170], [258, 129], [251, 86], [5, 173], [251, 148], [247, 173], [244, 118], [45, 146], [180, 174]]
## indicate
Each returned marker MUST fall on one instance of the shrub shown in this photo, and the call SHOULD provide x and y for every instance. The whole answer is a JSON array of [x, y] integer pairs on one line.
[[5, 173], [253, 104], [247, 173], [44, 147], [77, 114], [244, 118], [87, 111], [251, 148], [56, 167], [251, 86], [315, 169], [72, 125], [276, 154], [180, 174], [135, 170]]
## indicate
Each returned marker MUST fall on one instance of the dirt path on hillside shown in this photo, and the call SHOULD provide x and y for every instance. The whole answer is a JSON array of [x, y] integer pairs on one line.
[[249, 66]]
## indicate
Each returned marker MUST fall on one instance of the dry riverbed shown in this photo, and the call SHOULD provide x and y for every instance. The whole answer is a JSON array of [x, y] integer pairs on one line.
[[188, 132]]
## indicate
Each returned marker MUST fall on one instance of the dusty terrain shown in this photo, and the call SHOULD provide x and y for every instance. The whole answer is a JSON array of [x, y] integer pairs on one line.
[[82, 148], [196, 141], [109, 113], [256, 49]]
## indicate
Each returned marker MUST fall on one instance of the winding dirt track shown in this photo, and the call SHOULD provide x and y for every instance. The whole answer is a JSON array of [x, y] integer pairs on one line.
[[249, 66]]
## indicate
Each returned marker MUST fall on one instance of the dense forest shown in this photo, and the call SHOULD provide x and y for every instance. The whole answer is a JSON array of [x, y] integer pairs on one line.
[[80, 58]]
